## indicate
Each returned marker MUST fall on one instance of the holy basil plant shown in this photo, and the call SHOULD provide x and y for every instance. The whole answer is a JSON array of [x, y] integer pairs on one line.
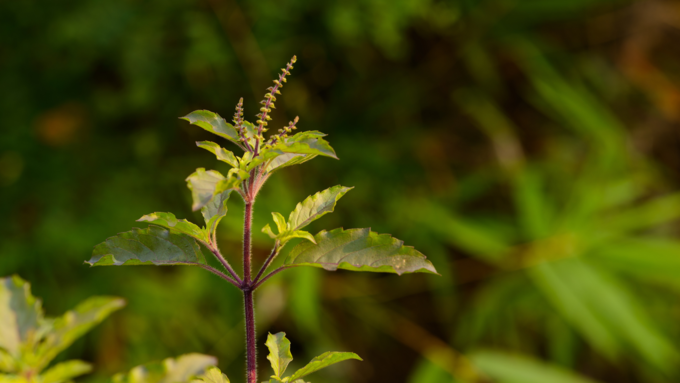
[[29, 341], [173, 241]]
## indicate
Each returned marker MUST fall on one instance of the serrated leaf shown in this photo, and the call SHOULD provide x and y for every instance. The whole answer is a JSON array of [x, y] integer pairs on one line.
[[279, 352], [169, 370], [509, 368], [212, 375], [213, 123], [316, 206], [280, 222], [20, 314], [221, 153], [205, 185], [359, 250], [215, 210], [315, 146], [65, 371], [75, 323], [151, 246], [322, 361], [181, 225], [288, 159]]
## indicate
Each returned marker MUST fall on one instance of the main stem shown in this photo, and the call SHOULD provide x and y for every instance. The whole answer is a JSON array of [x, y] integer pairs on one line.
[[251, 355]]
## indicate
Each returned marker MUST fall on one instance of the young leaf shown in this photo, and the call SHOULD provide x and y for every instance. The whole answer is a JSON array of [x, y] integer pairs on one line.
[[63, 372], [268, 230], [280, 222], [169, 370], [359, 250], [221, 153], [215, 210], [213, 123], [212, 375], [297, 234], [205, 185], [151, 246], [73, 324], [322, 361], [279, 353], [316, 206], [181, 225], [20, 314]]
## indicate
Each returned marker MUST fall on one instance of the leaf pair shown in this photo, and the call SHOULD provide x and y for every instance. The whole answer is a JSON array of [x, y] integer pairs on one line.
[[307, 211], [29, 341], [280, 356]]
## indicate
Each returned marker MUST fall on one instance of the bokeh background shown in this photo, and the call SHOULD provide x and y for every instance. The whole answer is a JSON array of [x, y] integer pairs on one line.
[[529, 148]]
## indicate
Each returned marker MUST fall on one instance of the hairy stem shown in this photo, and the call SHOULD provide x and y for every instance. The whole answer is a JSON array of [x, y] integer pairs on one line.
[[251, 350], [274, 253], [221, 275], [247, 232], [276, 271], [224, 263]]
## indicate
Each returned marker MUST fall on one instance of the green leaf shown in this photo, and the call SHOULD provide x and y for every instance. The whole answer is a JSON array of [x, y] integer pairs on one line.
[[75, 323], [359, 250], [316, 206], [509, 368], [212, 375], [315, 146], [168, 371], [65, 371], [213, 123], [280, 222], [221, 153], [205, 185], [295, 150], [279, 353], [7, 362], [151, 246], [324, 360], [297, 234], [10, 378], [268, 230], [20, 314], [181, 225], [215, 210], [288, 159]]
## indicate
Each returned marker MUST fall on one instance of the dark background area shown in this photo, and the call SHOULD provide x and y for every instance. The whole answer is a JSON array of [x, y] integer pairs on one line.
[[529, 148]]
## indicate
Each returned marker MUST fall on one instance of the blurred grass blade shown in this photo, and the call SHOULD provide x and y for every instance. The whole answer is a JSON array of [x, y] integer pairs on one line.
[[510, 368]]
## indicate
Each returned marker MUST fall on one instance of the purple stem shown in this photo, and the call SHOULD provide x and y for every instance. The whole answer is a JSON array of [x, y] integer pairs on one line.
[[226, 264], [221, 275]]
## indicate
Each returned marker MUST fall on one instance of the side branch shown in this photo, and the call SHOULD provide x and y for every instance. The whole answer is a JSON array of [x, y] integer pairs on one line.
[[226, 264], [272, 255], [276, 271], [220, 274]]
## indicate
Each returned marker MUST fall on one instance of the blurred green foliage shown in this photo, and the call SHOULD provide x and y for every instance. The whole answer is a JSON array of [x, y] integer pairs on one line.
[[529, 148]]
